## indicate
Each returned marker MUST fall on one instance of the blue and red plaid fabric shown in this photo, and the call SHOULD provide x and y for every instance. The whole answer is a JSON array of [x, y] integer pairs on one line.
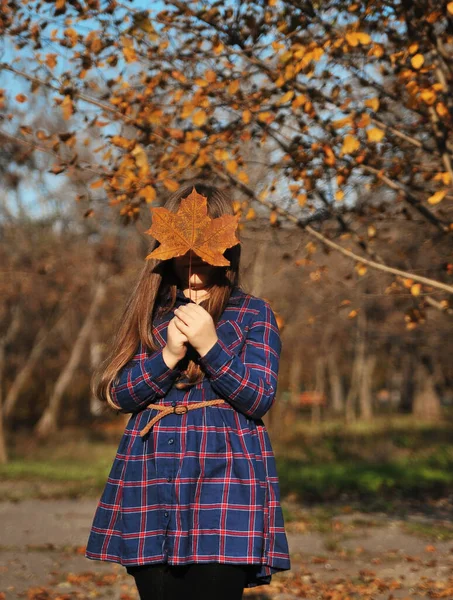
[[200, 486]]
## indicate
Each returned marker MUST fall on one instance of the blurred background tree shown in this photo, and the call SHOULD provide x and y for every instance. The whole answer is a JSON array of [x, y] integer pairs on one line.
[[332, 124]]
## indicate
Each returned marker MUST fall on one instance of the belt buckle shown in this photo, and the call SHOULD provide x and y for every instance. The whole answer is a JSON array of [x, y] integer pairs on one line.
[[180, 409]]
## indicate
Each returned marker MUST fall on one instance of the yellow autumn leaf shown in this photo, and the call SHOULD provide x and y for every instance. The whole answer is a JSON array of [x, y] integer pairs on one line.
[[199, 118], [357, 37], [246, 116], [377, 50], [413, 48], [339, 123], [67, 107], [371, 231], [265, 117], [298, 101], [210, 75], [443, 176], [339, 195], [301, 199], [285, 98], [437, 197], [350, 145], [273, 217], [450, 7], [148, 193], [428, 96], [441, 110], [363, 38], [251, 214], [201, 82], [141, 159], [364, 120], [221, 154], [417, 61], [329, 156], [121, 142], [96, 184], [73, 37], [231, 166], [128, 49], [416, 289], [375, 134], [233, 86], [171, 184], [191, 147], [361, 268], [242, 176], [372, 103], [51, 60]]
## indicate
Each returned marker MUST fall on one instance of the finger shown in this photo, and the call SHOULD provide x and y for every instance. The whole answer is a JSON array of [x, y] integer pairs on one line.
[[183, 327], [185, 315]]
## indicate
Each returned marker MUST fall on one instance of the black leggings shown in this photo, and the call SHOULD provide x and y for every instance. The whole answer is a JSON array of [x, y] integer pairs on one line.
[[194, 581]]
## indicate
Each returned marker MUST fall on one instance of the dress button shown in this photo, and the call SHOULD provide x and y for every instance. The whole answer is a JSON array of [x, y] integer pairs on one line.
[[171, 440], [165, 514], [173, 403], [168, 478]]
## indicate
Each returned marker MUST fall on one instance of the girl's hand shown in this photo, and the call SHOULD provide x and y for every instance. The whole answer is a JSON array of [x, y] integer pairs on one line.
[[176, 347], [197, 324]]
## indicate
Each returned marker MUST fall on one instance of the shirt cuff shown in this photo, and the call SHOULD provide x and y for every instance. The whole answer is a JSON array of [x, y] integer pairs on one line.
[[216, 358], [161, 372]]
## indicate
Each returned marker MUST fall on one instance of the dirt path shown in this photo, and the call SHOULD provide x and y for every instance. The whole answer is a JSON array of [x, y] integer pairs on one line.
[[361, 556]]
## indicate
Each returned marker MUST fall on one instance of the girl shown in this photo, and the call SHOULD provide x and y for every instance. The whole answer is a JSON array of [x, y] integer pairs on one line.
[[192, 503]]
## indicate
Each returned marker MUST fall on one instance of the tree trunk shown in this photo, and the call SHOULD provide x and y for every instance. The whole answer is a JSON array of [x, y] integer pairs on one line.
[[336, 388], [96, 406], [408, 369], [320, 387], [259, 270], [4, 341], [354, 386], [366, 383], [48, 422], [426, 405], [25, 372]]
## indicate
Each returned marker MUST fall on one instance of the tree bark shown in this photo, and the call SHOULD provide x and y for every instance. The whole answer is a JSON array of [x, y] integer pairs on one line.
[[13, 328], [366, 383], [320, 387], [427, 406], [48, 422], [408, 369], [336, 388], [25, 372], [96, 407]]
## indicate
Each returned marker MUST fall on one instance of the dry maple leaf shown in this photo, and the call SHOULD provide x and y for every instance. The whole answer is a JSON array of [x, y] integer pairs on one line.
[[190, 228]]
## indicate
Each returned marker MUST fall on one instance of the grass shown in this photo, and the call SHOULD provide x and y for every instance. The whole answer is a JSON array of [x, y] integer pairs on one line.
[[326, 482], [430, 531], [374, 464]]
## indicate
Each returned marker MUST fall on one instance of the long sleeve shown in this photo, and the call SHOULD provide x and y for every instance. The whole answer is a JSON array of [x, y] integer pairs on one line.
[[139, 384], [248, 382]]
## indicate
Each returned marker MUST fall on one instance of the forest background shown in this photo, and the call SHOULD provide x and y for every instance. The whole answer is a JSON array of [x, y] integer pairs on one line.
[[331, 123]]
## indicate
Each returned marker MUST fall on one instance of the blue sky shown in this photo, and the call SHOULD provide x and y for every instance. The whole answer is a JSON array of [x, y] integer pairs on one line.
[[13, 84]]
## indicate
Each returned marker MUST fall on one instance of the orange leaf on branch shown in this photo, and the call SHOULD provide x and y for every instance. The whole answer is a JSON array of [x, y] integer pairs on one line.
[[190, 228]]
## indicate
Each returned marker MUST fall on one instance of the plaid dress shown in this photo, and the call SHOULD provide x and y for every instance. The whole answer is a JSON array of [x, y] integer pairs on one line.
[[200, 486]]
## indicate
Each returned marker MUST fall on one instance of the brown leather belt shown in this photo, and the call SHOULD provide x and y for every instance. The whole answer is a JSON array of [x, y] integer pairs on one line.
[[179, 409]]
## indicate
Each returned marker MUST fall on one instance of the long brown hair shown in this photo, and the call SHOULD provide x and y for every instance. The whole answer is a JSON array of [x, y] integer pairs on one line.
[[155, 294]]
